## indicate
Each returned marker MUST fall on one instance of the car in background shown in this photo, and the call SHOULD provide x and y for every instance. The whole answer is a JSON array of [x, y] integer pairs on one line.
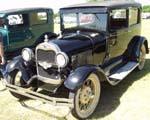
[[23, 27], [146, 15]]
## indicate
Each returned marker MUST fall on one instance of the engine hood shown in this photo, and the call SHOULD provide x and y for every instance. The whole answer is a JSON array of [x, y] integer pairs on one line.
[[76, 44]]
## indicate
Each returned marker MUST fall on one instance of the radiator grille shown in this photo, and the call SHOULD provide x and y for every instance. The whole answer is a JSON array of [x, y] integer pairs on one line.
[[46, 56], [45, 60]]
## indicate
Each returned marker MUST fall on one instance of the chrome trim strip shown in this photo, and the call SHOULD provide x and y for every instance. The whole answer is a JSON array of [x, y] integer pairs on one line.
[[50, 80], [48, 46]]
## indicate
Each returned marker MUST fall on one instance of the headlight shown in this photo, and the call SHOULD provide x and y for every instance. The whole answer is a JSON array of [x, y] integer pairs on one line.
[[27, 54], [62, 59]]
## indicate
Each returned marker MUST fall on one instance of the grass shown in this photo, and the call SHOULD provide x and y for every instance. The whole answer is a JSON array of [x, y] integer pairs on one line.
[[128, 100]]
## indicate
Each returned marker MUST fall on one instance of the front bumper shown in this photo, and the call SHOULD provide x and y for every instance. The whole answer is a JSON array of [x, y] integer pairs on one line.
[[41, 97]]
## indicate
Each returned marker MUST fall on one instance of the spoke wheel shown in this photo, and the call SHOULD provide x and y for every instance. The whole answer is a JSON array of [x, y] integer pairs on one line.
[[16, 79], [87, 97], [142, 58]]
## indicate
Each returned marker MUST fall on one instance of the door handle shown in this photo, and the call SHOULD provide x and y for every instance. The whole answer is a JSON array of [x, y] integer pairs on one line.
[[112, 42], [128, 31]]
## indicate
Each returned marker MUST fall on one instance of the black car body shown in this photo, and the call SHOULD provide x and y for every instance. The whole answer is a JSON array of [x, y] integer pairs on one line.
[[100, 42]]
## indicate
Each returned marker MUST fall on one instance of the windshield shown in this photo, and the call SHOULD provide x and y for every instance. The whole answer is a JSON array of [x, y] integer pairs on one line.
[[97, 21]]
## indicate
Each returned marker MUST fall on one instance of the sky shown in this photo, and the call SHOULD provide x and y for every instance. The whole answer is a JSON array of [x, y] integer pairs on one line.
[[144, 2], [55, 4]]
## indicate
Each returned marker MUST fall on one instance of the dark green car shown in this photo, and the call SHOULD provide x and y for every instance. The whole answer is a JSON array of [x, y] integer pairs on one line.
[[22, 27]]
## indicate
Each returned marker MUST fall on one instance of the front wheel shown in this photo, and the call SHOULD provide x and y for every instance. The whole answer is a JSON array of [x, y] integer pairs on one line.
[[15, 78], [86, 97]]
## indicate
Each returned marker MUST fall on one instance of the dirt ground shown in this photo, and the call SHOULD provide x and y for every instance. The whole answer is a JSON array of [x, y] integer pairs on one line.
[[129, 100]]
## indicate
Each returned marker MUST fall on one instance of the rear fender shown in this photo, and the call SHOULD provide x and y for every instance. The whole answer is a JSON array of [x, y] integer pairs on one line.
[[80, 74], [141, 41], [133, 50]]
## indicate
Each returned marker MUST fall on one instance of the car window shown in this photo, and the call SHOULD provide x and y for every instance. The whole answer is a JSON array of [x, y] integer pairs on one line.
[[133, 16], [38, 18], [93, 21], [96, 21], [70, 20], [118, 19], [17, 20]]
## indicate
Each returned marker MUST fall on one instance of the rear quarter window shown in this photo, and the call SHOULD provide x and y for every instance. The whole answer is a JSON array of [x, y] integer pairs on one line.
[[38, 18], [133, 16]]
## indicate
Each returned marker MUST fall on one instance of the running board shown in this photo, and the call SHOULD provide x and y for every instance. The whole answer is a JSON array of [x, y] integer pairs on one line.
[[122, 72], [41, 97]]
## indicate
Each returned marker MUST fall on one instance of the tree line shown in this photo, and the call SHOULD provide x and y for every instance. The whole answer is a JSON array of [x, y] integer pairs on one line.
[[146, 8]]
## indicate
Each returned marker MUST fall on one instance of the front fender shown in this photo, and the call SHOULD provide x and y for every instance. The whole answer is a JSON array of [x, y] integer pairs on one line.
[[14, 64], [17, 64], [80, 74]]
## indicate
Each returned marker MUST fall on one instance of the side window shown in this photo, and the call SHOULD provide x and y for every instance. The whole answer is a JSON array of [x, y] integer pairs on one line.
[[118, 19], [133, 16], [38, 18], [17, 20]]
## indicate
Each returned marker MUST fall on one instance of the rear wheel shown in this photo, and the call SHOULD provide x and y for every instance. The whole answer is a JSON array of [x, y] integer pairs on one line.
[[86, 97], [16, 79], [142, 58]]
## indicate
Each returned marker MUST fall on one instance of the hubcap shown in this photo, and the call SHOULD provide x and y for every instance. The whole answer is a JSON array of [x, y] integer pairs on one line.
[[86, 95], [18, 78]]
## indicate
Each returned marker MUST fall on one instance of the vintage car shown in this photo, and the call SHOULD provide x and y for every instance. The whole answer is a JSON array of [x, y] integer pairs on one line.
[[22, 28], [105, 47]]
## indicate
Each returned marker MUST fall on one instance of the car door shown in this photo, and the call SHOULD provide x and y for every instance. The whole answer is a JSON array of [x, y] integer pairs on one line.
[[19, 32], [40, 22], [119, 33]]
